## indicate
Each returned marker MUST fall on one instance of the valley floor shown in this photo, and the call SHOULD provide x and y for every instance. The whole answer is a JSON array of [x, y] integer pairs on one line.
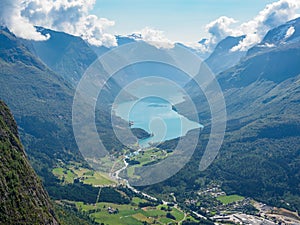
[[210, 205]]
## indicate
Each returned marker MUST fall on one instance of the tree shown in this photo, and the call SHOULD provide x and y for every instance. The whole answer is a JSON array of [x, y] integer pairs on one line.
[[170, 216]]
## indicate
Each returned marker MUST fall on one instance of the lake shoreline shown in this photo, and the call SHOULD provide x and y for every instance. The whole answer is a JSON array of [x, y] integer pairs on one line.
[[157, 117]]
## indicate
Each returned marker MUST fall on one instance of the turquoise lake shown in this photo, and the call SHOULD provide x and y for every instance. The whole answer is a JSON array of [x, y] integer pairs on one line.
[[156, 116]]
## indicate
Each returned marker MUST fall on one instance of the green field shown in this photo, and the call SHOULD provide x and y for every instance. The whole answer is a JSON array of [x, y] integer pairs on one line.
[[122, 214], [108, 163], [123, 217], [129, 214], [178, 215], [59, 172], [148, 156], [67, 174], [136, 200], [227, 199]]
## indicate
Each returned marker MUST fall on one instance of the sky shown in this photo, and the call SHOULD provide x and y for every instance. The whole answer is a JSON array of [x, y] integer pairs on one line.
[[181, 20], [156, 21]]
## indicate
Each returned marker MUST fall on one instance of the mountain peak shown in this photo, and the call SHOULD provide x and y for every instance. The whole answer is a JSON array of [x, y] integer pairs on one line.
[[222, 58], [228, 43], [280, 36], [283, 34]]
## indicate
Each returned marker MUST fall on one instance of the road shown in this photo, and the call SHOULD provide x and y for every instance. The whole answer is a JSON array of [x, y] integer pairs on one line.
[[115, 175]]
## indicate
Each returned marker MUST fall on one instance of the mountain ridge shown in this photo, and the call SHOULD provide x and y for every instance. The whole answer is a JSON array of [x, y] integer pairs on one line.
[[223, 57]]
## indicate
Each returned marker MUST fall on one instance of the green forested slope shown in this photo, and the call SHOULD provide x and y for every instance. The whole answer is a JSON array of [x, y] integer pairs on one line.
[[260, 154], [23, 199], [41, 102]]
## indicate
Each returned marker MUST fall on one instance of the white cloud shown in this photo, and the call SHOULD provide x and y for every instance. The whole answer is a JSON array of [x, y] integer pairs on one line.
[[272, 15], [70, 16], [92, 29], [221, 28], [154, 37], [10, 16], [290, 32]]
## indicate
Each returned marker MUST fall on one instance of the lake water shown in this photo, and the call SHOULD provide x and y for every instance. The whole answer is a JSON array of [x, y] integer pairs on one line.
[[156, 116]]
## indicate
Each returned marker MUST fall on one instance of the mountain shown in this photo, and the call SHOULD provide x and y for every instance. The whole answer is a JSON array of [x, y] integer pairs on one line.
[[285, 34], [260, 156], [138, 70], [121, 40], [275, 64], [222, 57], [201, 54], [23, 198], [41, 101], [69, 57], [65, 54]]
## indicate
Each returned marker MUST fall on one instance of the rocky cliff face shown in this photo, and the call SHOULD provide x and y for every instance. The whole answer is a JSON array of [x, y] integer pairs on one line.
[[23, 199]]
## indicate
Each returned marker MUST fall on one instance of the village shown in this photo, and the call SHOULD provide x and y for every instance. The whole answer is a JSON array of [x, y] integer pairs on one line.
[[234, 209]]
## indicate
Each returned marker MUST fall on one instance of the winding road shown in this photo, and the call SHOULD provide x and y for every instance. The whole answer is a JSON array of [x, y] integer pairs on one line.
[[115, 175]]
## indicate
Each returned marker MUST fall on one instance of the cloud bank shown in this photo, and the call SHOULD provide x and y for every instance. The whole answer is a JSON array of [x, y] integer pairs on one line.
[[271, 16], [70, 16]]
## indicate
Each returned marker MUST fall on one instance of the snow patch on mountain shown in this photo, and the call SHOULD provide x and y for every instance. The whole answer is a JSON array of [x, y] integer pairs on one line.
[[290, 32]]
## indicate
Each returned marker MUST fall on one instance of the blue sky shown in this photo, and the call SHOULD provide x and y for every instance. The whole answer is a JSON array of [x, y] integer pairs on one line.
[[181, 20], [160, 21]]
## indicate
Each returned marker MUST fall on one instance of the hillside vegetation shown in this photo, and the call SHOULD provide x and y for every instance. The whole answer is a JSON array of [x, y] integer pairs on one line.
[[23, 199]]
